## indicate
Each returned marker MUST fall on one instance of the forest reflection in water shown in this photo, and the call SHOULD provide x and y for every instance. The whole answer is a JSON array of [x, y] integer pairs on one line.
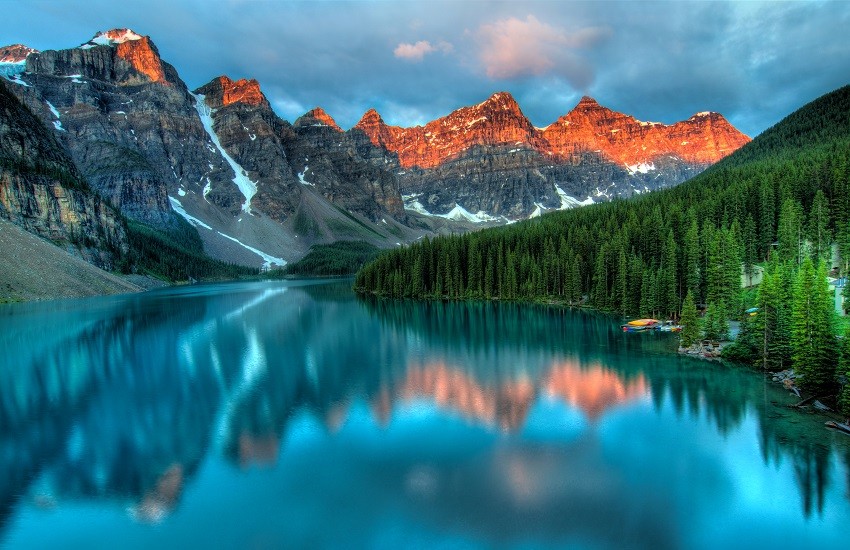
[[121, 401]]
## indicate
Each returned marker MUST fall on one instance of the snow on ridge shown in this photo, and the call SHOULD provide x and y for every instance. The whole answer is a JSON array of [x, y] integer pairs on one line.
[[458, 213], [178, 207], [301, 177], [568, 201], [267, 258], [642, 167], [56, 123], [246, 186], [110, 38]]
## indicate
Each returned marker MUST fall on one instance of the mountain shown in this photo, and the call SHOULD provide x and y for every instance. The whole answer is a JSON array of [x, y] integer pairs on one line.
[[218, 158], [489, 159], [214, 170], [642, 256]]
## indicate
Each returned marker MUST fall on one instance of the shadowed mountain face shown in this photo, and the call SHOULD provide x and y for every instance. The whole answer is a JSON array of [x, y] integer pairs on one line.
[[42, 191]]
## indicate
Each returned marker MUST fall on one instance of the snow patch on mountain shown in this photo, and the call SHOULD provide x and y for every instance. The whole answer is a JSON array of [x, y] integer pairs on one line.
[[246, 186], [458, 213], [268, 259], [568, 201], [110, 38], [56, 123], [642, 167], [301, 177]]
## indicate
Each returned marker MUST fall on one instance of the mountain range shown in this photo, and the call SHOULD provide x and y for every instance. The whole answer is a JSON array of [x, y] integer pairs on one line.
[[124, 138]]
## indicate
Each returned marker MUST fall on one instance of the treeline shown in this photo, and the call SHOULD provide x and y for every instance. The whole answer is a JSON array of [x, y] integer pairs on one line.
[[784, 197], [176, 255], [335, 259]]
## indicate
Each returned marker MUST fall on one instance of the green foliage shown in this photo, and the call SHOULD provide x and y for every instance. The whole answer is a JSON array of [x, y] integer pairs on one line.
[[690, 322], [177, 255], [773, 322], [813, 345], [715, 324], [844, 369], [339, 258]]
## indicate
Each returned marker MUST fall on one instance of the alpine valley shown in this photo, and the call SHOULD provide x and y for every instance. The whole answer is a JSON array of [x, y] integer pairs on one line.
[[105, 151]]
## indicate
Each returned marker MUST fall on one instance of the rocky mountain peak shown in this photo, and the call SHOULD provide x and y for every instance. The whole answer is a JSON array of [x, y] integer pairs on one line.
[[223, 91], [587, 101], [15, 53], [370, 117], [139, 51], [112, 37], [317, 117], [500, 101]]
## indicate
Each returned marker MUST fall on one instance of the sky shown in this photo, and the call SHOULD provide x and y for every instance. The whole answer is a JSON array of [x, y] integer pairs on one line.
[[753, 62]]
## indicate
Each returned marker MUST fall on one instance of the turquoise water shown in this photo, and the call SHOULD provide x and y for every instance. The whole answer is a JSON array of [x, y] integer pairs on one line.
[[294, 415]]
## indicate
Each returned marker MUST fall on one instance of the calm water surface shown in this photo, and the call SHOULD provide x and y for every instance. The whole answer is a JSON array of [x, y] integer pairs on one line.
[[293, 415]]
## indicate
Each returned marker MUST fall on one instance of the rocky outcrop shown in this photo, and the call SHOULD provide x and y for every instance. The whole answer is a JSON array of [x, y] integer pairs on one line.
[[223, 91], [42, 191], [129, 123], [487, 161], [496, 121], [253, 135], [15, 53], [341, 170], [705, 138]]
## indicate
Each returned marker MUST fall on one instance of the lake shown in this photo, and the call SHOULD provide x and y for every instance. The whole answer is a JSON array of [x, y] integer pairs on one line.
[[293, 414]]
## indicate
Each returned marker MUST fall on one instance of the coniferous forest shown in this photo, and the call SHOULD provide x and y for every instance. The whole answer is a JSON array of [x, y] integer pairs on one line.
[[778, 204]]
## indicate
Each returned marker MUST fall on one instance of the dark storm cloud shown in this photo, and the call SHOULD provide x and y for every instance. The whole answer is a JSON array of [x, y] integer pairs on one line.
[[413, 61]]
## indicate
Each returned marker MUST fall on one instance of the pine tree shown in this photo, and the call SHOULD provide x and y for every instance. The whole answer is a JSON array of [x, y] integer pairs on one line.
[[690, 322], [819, 233], [711, 325], [812, 335], [790, 232], [692, 259], [844, 369], [669, 297]]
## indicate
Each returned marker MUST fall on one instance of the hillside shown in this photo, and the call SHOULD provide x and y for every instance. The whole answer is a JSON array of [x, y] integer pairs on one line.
[[41, 270], [643, 255]]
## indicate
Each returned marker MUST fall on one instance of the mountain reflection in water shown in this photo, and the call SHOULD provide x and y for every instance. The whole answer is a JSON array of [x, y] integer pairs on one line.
[[426, 410]]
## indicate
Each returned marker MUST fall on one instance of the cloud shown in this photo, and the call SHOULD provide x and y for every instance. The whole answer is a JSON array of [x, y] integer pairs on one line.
[[416, 52], [514, 48]]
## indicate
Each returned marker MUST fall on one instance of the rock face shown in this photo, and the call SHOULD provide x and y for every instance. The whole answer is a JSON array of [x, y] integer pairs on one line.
[[488, 161], [251, 134], [42, 191], [283, 161], [341, 170], [705, 138], [128, 121]]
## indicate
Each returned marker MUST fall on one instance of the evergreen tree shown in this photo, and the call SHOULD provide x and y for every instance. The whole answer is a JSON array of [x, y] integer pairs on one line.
[[750, 251], [812, 335], [844, 369], [819, 233], [690, 322], [790, 232], [692, 259], [773, 321]]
